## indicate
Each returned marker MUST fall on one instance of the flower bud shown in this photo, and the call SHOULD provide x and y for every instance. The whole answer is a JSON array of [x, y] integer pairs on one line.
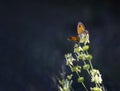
[[89, 57], [86, 66], [80, 79], [85, 48], [96, 89], [69, 77]]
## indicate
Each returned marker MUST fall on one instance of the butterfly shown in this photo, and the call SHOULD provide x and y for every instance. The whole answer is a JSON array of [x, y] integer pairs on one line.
[[80, 31]]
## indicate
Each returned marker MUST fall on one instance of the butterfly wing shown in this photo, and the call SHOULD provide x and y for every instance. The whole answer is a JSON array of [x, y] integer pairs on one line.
[[73, 38], [80, 28]]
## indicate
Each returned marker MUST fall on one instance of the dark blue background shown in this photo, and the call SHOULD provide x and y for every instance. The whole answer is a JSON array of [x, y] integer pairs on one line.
[[33, 41]]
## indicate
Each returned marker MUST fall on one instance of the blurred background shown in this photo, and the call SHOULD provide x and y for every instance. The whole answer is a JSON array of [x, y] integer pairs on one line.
[[33, 41]]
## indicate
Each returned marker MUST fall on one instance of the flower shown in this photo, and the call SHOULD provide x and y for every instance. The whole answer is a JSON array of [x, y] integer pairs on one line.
[[96, 76], [77, 48], [76, 68], [81, 56], [65, 85], [84, 37], [69, 59], [87, 39]]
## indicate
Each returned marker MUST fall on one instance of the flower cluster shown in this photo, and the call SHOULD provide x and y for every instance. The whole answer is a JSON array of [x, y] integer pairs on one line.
[[65, 83], [81, 55], [96, 76], [84, 37]]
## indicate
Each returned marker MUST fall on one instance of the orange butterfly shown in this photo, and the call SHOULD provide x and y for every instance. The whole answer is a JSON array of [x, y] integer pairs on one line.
[[80, 30]]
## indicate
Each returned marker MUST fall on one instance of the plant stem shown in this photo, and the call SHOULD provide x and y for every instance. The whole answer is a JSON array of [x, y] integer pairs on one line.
[[90, 64], [84, 86]]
